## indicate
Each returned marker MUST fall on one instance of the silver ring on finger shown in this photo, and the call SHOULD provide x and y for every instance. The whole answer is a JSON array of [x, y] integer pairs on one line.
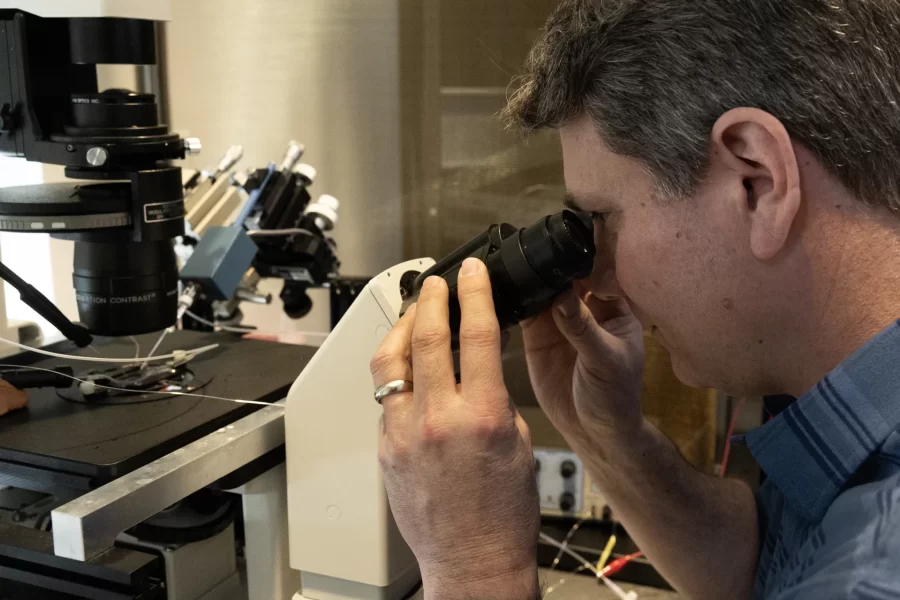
[[399, 386]]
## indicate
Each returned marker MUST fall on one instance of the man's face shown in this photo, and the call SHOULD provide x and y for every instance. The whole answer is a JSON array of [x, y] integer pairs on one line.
[[684, 265]]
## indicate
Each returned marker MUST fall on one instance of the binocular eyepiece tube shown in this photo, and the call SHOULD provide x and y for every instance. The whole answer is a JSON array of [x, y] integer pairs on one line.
[[528, 268]]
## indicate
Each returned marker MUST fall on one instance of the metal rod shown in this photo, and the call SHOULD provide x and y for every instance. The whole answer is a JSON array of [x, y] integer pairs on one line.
[[153, 350], [89, 525], [278, 232]]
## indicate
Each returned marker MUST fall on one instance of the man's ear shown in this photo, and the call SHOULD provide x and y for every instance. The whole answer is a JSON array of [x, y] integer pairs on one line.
[[756, 147]]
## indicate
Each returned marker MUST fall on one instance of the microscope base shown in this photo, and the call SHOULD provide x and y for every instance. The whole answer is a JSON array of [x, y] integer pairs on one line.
[[195, 570]]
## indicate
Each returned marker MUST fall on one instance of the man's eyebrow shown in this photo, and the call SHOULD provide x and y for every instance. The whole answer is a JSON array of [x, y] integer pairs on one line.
[[587, 203]]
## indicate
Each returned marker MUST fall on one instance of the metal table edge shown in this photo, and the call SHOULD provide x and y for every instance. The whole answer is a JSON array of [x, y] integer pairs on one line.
[[88, 525]]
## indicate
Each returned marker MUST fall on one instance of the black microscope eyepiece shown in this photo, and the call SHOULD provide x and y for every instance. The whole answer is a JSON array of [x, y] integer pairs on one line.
[[528, 268]]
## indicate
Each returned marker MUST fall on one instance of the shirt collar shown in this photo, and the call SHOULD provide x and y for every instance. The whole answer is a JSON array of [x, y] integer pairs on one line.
[[814, 446]]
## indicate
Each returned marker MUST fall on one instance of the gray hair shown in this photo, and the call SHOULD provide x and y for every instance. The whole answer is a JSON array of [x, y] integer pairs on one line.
[[655, 75]]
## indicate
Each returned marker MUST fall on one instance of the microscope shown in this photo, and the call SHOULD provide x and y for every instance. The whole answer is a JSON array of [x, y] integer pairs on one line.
[[127, 204]]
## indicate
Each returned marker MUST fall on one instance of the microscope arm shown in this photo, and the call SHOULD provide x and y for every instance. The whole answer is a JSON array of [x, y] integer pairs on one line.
[[342, 535]]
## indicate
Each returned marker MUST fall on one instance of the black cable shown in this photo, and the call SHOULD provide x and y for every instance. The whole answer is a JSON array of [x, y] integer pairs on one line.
[[139, 396], [39, 302], [13, 279], [27, 378]]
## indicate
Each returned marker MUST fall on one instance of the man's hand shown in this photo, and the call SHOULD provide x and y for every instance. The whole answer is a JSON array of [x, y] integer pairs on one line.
[[457, 458], [586, 360], [11, 398]]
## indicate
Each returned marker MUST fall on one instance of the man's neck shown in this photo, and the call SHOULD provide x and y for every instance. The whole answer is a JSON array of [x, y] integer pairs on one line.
[[860, 299]]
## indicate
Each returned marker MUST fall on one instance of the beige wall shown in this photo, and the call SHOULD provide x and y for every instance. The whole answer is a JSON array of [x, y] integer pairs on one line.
[[324, 72]]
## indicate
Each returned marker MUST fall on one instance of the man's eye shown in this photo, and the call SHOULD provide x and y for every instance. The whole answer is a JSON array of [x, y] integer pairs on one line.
[[598, 217]]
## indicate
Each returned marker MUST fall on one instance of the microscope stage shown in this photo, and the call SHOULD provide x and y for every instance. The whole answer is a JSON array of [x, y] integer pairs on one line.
[[82, 446]]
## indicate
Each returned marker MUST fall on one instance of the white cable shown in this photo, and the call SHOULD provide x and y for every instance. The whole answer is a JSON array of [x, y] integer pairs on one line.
[[115, 389], [203, 321], [174, 355], [619, 592], [310, 338], [137, 346], [585, 562], [562, 581], [565, 542], [159, 341], [614, 587]]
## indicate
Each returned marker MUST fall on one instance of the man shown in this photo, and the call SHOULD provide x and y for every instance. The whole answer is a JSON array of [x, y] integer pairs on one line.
[[11, 398], [742, 158]]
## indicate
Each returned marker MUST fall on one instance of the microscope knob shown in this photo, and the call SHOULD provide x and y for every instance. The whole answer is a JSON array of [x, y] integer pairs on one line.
[[329, 201], [298, 308], [97, 156], [566, 501], [307, 172], [232, 156], [567, 469], [293, 153], [296, 302], [192, 146], [325, 210]]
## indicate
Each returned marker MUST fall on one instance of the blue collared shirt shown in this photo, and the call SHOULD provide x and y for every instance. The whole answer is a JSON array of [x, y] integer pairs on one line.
[[830, 507]]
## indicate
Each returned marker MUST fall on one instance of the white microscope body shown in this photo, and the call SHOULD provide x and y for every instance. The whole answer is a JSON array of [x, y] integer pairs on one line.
[[343, 538]]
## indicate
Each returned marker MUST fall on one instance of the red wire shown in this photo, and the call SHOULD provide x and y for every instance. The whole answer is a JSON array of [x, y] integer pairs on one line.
[[619, 564], [727, 452]]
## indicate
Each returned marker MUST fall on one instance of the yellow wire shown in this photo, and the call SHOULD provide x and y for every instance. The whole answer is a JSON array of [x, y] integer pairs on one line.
[[607, 552]]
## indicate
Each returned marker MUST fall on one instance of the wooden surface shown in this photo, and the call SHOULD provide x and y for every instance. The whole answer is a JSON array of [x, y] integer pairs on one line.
[[685, 415], [584, 587]]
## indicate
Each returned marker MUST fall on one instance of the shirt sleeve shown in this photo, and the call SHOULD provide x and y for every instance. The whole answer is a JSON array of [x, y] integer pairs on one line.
[[854, 553]]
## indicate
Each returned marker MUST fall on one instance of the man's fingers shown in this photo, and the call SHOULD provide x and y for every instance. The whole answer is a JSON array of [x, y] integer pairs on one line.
[[581, 288], [392, 360], [541, 334], [14, 397], [480, 364], [391, 363], [11, 398], [432, 360], [607, 310], [578, 324]]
